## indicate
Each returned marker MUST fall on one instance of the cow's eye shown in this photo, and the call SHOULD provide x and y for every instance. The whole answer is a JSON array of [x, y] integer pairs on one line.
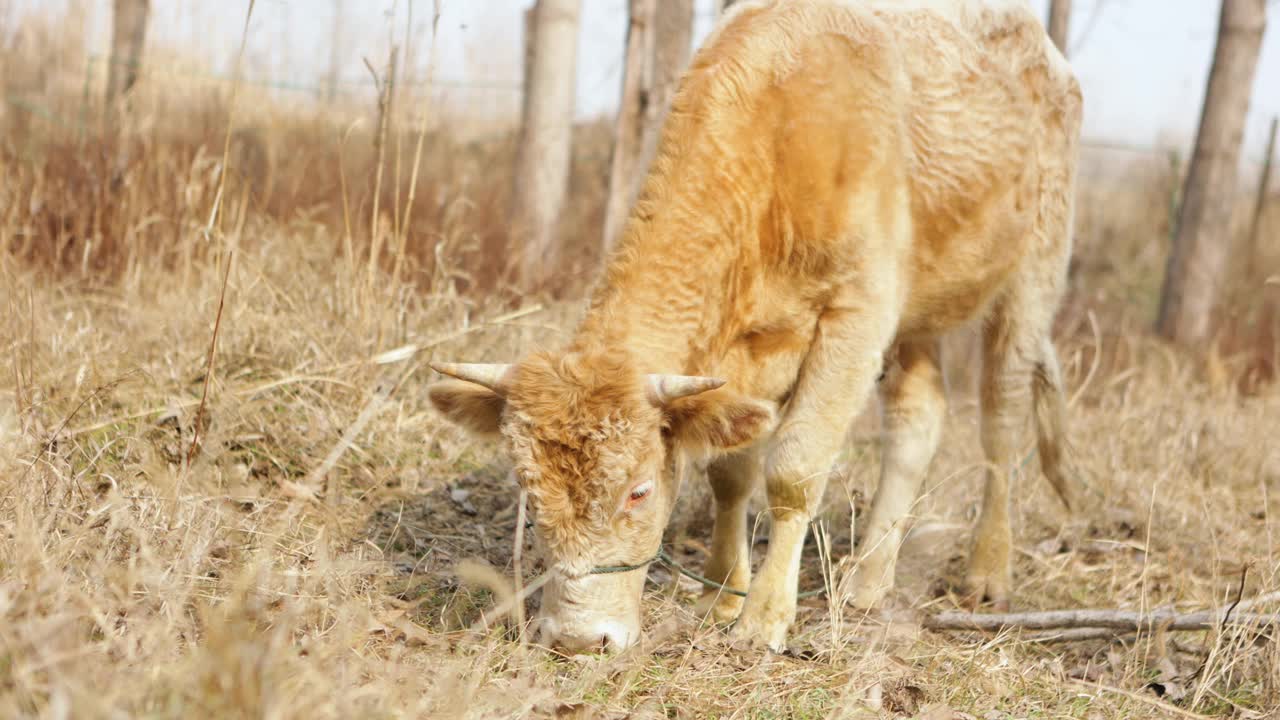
[[639, 493]]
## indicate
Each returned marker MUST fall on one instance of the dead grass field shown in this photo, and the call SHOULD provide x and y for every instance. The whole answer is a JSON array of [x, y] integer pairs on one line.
[[298, 558]]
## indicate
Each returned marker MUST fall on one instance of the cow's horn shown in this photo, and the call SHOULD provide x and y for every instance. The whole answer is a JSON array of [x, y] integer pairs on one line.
[[662, 389], [495, 376]]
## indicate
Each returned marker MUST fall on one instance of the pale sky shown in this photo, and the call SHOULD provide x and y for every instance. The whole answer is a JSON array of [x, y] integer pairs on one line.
[[1142, 63]]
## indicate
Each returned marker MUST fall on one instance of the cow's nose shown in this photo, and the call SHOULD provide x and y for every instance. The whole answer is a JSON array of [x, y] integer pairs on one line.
[[607, 637], [571, 645]]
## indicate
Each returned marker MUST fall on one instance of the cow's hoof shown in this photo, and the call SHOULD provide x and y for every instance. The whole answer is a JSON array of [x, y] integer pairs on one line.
[[990, 589], [718, 607], [760, 633], [863, 592]]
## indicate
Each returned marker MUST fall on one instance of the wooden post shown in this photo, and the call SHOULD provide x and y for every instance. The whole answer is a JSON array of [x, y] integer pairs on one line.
[[658, 44], [1201, 244], [542, 170], [628, 133], [128, 36], [672, 43], [530, 40], [1059, 24]]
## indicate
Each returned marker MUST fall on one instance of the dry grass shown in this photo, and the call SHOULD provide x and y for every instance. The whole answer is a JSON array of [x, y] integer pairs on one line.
[[302, 565]]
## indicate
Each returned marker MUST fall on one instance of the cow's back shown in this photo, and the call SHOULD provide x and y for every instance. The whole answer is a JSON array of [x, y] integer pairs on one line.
[[970, 96], [766, 151], [993, 111]]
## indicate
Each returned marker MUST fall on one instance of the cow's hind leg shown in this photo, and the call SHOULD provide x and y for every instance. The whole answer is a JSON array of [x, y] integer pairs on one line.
[[1019, 366], [914, 407], [732, 478]]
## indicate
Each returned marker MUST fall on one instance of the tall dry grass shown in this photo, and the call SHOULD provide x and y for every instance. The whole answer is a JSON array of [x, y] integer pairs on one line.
[[301, 563], [98, 200]]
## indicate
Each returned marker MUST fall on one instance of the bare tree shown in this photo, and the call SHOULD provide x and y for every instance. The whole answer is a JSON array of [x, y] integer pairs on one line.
[[658, 42], [1060, 23], [128, 36], [542, 168], [1200, 244]]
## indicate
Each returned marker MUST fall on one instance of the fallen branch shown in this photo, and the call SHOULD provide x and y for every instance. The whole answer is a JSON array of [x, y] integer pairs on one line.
[[1130, 620], [1138, 697], [1070, 635]]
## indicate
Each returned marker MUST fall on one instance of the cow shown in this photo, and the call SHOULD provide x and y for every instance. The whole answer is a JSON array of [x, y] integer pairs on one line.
[[839, 183]]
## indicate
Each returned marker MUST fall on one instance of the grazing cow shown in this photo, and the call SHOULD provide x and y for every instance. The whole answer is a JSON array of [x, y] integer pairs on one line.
[[839, 183]]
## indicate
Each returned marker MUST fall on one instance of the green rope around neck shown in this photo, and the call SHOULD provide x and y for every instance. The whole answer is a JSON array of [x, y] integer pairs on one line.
[[671, 562]]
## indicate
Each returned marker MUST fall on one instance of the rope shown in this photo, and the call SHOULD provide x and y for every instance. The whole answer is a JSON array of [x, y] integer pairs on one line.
[[672, 563], [610, 569]]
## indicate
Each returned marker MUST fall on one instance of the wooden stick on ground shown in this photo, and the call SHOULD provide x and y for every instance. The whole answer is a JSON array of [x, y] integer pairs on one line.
[[1130, 620], [1138, 697]]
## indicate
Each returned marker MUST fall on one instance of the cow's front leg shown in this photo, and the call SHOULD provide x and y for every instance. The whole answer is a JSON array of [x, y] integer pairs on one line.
[[732, 478], [837, 375]]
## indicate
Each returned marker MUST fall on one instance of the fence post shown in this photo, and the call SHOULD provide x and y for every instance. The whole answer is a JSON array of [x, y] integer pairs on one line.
[[542, 167], [629, 129], [128, 35], [672, 43], [1059, 25]]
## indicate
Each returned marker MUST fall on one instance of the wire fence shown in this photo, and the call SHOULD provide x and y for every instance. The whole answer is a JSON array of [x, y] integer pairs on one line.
[[347, 88]]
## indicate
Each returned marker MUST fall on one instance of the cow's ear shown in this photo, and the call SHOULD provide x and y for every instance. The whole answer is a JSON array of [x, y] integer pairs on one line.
[[718, 420], [476, 408]]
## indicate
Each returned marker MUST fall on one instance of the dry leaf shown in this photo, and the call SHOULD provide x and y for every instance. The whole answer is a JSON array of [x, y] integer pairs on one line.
[[297, 491]]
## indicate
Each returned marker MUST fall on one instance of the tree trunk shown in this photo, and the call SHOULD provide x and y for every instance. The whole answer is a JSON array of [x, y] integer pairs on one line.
[[658, 44], [672, 43], [1202, 240], [128, 35], [1256, 254], [628, 133], [1263, 366], [1060, 23], [542, 171]]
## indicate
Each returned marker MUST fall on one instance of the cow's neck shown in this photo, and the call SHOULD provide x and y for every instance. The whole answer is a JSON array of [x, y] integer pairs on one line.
[[662, 295], [673, 282]]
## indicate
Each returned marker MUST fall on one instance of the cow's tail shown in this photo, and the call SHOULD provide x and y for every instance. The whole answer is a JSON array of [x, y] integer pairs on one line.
[[1052, 443]]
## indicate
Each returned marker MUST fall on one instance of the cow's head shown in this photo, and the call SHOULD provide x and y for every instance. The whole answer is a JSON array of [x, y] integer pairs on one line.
[[595, 443]]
